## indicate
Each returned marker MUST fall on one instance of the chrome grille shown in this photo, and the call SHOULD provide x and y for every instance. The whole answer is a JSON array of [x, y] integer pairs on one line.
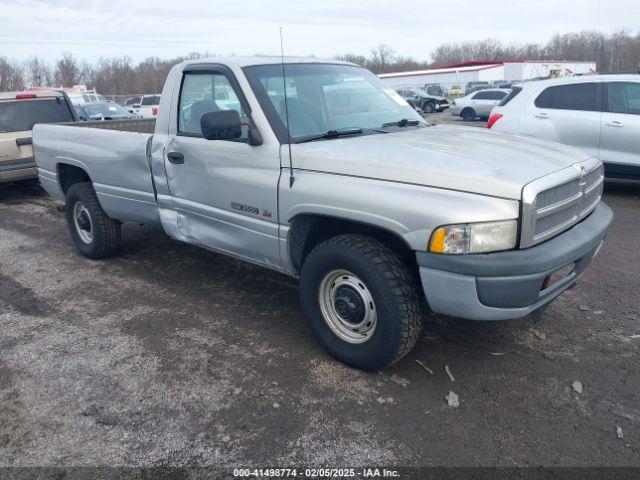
[[554, 203], [557, 194], [562, 217]]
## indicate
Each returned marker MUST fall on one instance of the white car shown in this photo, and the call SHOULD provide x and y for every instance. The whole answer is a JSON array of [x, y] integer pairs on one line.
[[599, 114], [477, 104], [148, 106]]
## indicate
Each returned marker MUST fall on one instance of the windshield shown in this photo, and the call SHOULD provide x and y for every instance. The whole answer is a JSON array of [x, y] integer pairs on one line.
[[105, 110], [21, 115], [324, 97]]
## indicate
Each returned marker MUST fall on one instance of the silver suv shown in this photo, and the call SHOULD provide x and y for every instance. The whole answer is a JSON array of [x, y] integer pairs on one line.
[[599, 114], [477, 104]]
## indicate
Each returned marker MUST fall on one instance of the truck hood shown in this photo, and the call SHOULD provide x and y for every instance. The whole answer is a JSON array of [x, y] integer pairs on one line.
[[468, 159]]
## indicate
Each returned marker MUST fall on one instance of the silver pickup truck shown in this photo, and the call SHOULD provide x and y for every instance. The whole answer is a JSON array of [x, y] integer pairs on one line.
[[314, 169]]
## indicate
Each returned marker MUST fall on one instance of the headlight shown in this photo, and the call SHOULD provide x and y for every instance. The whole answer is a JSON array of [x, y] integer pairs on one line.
[[474, 237]]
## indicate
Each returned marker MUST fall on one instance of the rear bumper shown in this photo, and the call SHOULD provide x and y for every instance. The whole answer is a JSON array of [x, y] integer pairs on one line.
[[507, 285], [24, 169]]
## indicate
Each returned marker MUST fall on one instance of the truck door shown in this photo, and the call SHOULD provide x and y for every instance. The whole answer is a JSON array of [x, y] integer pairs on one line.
[[224, 191], [620, 141]]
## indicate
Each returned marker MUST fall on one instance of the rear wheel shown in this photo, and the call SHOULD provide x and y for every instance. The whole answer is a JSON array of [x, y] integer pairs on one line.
[[468, 114], [93, 232], [362, 300]]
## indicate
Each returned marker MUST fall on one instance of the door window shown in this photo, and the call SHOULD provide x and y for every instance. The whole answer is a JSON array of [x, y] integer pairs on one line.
[[203, 93], [496, 95], [490, 95], [623, 97], [482, 96], [578, 96]]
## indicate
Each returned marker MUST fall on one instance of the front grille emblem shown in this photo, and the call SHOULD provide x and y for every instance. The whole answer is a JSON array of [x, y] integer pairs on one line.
[[583, 175]]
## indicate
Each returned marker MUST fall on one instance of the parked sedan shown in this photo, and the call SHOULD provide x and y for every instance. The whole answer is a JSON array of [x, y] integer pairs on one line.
[[104, 111], [455, 91], [428, 103], [477, 104], [414, 105], [599, 114]]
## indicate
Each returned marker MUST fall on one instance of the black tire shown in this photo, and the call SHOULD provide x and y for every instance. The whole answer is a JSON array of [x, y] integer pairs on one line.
[[104, 231], [29, 183], [429, 107], [394, 289], [468, 114]]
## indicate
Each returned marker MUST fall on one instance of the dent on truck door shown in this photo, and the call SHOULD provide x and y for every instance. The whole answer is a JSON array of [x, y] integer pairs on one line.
[[225, 191]]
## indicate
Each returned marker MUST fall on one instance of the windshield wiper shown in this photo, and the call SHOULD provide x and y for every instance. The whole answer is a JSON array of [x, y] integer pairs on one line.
[[405, 122], [331, 134]]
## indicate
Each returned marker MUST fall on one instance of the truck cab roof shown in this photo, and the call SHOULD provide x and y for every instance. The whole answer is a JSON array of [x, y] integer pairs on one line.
[[249, 61], [30, 94]]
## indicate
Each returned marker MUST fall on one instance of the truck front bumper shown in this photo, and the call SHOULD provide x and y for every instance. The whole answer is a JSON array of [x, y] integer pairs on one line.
[[512, 284], [20, 170]]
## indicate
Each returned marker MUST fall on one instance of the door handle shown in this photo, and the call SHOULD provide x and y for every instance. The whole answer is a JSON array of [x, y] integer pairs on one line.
[[175, 157], [615, 123], [542, 116]]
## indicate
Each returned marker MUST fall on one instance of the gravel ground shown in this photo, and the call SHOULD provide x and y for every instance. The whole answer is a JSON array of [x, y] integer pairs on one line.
[[446, 117], [171, 355]]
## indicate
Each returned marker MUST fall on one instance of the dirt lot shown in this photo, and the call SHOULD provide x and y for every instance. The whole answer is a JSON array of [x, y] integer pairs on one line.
[[170, 355]]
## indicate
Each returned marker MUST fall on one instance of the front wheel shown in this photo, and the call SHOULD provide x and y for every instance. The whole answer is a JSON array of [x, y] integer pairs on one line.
[[429, 107], [362, 300], [94, 233], [468, 114]]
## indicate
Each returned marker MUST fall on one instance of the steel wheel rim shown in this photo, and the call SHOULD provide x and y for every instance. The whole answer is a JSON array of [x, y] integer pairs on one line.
[[340, 291], [82, 222]]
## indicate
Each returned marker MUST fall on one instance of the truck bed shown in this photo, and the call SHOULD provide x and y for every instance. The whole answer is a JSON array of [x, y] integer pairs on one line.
[[142, 125], [113, 153]]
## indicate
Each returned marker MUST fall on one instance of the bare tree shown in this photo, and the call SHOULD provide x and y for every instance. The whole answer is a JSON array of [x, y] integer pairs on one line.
[[382, 58], [353, 58], [11, 77], [67, 71], [37, 72]]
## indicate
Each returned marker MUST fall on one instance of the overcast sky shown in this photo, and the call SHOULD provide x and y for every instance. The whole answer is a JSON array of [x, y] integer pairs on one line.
[[168, 28]]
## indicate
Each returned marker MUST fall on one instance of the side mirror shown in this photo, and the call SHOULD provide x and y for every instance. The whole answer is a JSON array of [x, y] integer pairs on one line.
[[221, 125]]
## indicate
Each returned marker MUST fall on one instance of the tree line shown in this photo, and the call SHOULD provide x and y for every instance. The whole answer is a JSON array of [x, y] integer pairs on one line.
[[109, 76], [618, 51]]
